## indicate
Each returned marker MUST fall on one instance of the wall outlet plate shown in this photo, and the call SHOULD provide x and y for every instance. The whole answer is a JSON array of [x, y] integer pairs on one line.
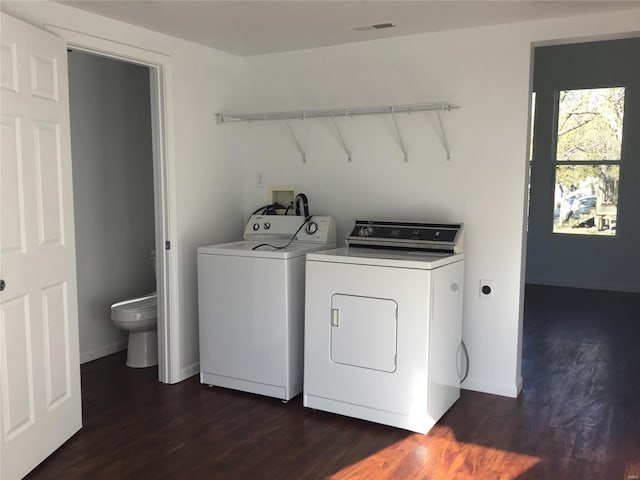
[[486, 289]]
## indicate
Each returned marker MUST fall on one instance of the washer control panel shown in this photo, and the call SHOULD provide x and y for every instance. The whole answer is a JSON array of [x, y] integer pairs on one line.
[[318, 229]]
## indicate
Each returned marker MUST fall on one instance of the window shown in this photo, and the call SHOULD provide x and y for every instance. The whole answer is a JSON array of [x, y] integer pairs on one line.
[[588, 160]]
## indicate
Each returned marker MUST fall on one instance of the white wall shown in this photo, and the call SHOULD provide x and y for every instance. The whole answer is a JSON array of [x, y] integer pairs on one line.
[[484, 70], [204, 179], [113, 193]]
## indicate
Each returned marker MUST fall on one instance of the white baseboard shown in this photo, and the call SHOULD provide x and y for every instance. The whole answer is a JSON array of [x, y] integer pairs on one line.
[[587, 285], [493, 388], [103, 351], [188, 371]]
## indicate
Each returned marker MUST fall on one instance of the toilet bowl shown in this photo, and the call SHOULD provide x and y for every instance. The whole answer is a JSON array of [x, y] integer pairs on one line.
[[139, 317]]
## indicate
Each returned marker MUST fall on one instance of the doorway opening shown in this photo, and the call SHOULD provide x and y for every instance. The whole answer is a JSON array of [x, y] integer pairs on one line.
[[159, 70], [582, 290], [583, 224], [113, 188]]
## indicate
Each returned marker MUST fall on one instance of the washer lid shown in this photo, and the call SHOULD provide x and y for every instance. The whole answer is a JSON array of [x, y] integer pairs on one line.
[[385, 258], [245, 248]]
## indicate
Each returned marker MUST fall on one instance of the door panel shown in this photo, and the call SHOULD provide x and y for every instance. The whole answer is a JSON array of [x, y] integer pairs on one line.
[[12, 234], [9, 70], [17, 378], [44, 77], [363, 332], [48, 169], [55, 324], [39, 358]]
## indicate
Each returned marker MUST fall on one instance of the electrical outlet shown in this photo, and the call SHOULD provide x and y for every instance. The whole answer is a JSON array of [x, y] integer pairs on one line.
[[260, 179], [486, 289]]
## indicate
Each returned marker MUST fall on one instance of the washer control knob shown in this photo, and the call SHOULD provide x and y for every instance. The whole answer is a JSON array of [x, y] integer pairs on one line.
[[311, 228], [267, 226], [256, 226]]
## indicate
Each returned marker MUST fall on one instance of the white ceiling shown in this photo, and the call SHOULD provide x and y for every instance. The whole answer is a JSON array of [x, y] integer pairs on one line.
[[258, 27]]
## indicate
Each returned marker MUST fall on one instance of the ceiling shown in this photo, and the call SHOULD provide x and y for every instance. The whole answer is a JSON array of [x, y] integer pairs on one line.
[[260, 27]]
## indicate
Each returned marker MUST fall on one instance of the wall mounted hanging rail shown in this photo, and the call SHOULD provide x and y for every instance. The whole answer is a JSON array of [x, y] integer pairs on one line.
[[346, 112]]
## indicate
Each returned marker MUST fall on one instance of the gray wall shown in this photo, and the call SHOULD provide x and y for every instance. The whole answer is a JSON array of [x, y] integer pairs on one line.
[[597, 262], [113, 193]]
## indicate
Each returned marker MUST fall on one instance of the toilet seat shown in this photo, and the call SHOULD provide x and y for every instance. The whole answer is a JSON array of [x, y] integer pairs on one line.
[[135, 309]]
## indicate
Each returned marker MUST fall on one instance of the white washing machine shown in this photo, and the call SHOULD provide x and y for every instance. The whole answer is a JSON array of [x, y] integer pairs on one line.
[[251, 304], [383, 324]]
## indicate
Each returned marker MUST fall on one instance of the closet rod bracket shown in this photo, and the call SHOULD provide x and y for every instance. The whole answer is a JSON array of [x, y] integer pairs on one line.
[[445, 143], [344, 145], [400, 141], [295, 139]]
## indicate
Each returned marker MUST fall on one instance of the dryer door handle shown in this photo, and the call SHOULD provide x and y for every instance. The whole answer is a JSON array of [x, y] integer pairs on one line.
[[335, 317]]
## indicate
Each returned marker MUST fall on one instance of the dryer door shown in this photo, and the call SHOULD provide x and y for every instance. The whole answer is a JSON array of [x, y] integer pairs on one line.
[[363, 332]]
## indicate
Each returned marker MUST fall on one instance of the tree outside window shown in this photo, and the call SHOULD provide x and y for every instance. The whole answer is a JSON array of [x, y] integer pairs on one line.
[[588, 160]]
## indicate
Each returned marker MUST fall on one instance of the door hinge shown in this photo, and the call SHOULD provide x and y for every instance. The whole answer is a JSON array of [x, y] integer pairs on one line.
[[167, 245]]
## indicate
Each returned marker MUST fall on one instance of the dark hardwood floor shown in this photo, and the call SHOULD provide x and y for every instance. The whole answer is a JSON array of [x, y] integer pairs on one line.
[[578, 417]]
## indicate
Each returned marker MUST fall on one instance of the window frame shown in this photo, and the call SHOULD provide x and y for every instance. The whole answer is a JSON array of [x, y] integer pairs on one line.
[[555, 162]]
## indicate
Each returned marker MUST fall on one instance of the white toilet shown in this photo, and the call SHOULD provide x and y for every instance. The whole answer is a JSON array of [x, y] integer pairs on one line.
[[139, 316]]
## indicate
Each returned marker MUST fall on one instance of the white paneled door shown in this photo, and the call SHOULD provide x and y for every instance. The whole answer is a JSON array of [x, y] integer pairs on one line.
[[39, 359]]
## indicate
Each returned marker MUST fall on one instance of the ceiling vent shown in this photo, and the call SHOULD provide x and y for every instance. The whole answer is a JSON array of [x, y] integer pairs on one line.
[[377, 26]]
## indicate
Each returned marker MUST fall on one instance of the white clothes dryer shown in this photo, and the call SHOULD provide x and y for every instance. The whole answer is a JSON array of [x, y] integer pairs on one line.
[[383, 324], [251, 304]]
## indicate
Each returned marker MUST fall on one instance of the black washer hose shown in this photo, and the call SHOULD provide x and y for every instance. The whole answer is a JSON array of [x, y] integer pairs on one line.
[[301, 197]]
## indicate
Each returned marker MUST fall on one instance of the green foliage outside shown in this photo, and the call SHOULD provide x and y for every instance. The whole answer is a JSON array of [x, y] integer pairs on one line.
[[589, 129]]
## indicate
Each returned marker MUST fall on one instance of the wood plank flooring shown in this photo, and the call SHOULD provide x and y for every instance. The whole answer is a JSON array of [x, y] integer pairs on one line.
[[578, 417]]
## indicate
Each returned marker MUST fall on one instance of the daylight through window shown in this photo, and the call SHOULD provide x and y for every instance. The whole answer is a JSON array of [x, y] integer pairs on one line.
[[588, 158]]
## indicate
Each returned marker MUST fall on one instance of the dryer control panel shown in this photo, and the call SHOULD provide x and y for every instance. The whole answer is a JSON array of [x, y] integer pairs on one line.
[[411, 236]]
